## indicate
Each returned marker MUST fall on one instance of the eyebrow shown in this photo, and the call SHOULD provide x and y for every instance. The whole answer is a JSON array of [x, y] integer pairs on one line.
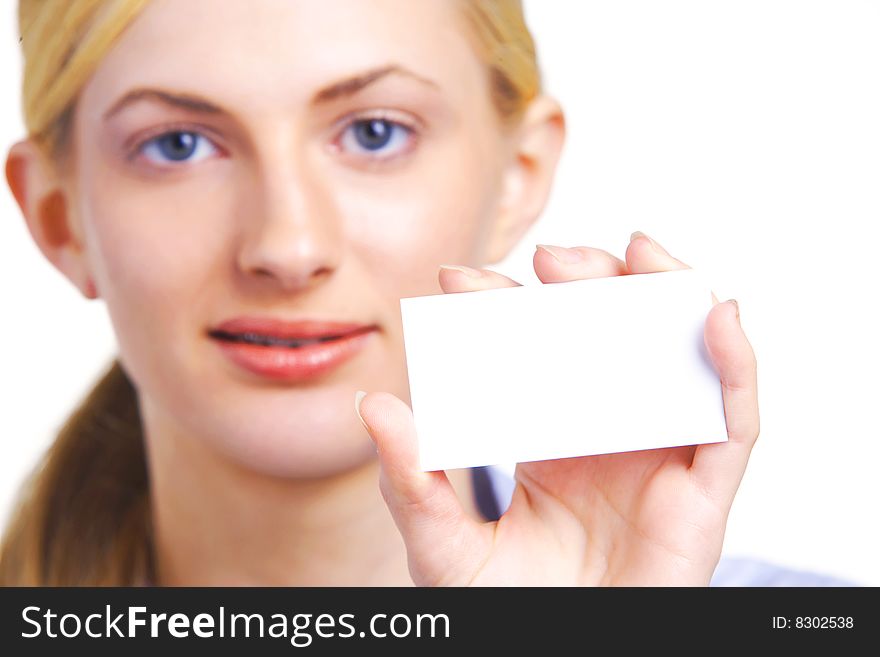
[[343, 88]]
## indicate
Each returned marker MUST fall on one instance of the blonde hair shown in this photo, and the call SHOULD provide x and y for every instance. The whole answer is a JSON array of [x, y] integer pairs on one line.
[[83, 517], [62, 43]]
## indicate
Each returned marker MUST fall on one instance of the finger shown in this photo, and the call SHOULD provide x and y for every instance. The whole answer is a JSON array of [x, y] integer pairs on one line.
[[644, 255], [459, 278], [558, 264], [718, 468], [444, 545]]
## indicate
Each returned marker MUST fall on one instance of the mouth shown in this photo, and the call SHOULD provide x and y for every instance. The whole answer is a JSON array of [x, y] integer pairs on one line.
[[271, 332], [268, 340], [281, 349]]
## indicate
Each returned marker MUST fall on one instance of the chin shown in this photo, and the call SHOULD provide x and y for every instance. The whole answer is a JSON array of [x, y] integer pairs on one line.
[[295, 431], [286, 436]]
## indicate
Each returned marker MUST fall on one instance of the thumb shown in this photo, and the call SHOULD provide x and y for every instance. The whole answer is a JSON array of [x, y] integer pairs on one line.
[[445, 546]]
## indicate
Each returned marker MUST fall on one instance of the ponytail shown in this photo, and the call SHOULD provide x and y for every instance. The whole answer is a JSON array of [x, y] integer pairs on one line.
[[83, 518]]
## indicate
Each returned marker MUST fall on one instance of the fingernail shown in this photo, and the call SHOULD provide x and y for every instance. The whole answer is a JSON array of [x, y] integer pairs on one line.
[[636, 235], [562, 254], [735, 305], [358, 397], [468, 271]]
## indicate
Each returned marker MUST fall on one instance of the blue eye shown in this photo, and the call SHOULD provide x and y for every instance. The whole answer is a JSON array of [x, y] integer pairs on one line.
[[177, 146], [376, 136]]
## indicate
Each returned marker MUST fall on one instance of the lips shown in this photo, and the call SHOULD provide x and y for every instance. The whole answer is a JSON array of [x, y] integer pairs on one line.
[[291, 350], [273, 331]]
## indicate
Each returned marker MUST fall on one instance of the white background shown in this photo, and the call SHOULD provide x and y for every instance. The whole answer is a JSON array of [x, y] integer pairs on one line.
[[744, 136]]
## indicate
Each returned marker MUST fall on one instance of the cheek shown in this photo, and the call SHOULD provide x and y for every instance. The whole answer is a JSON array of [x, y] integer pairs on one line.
[[437, 214], [152, 254]]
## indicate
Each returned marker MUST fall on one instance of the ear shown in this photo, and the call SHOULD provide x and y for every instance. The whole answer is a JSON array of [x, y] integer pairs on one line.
[[528, 178], [45, 206]]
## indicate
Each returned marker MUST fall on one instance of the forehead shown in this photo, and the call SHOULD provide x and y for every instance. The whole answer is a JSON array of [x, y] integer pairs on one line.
[[282, 51]]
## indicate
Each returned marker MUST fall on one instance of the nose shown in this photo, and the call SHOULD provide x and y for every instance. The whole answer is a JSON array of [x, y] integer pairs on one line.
[[290, 234]]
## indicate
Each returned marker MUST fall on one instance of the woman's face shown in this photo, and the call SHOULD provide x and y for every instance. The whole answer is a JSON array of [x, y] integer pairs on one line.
[[323, 159]]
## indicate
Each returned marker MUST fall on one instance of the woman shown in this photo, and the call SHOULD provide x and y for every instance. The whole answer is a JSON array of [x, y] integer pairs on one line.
[[238, 180]]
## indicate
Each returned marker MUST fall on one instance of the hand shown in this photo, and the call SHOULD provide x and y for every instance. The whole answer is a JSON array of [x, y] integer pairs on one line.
[[654, 517]]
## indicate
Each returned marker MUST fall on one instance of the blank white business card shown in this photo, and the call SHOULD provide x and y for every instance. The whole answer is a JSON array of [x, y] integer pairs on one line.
[[557, 370]]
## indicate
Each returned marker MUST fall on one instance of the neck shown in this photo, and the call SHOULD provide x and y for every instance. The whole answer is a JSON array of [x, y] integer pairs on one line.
[[219, 523]]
